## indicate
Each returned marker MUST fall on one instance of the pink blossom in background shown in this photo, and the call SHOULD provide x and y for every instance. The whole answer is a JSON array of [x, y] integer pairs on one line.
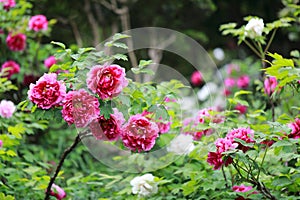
[[47, 92], [241, 108], [229, 82], [139, 134], [80, 107], [57, 192], [227, 92], [243, 81], [107, 81], [1, 144], [14, 68], [225, 144], [38, 23], [231, 68], [196, 78], [16, 42], [245, 134], [163, 127], [8, 4], [241, 188], [295, 126], [7, 109], [270, 84], [51, 60]]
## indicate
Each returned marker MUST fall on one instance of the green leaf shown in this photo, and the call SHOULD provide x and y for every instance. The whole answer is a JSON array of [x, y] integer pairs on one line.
[[241, 92], [17, 130], [120, 57], [119, 36], [282, 143], [106, 109], [144, 63], [62, 45]]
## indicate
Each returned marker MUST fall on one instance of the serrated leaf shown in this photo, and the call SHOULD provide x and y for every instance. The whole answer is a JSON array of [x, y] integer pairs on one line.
[[120, 57], [17, 130]]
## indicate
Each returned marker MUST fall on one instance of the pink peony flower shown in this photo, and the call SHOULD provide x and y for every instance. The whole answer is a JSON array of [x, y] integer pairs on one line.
[[230, 68], [295, 126], [7, 109], [241, 188], [196, 78], [57, 192], [107, 81], [80, 107], [241, 108], [108, 129], [243, 81], [163, 127], [139, 134], [229, 82], [7, 4], [50, 61], [245, 134], [225, 144], [16, 42], [1, 144], [38, 23], [14, 68], [47, 92], [270, 84]]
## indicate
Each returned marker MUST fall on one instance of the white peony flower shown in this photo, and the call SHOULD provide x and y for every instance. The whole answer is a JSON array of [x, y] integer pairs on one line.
[[144, 185], [254, 27], [208, 89], [219, 54], [181, 145]]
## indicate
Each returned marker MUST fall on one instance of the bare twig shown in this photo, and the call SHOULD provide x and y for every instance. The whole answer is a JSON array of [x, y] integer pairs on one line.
[[93, 22]]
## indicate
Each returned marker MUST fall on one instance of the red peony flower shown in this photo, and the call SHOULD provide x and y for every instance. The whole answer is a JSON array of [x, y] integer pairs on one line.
[[80, 107], [107, 81], [196, 78], [241, 108], [16, 42], [50, 61], [216, 159], [106, 129], [295, 126], [241, 188], [38, 23], [139, 134], [243, 81], [47, 92], [14, 68]]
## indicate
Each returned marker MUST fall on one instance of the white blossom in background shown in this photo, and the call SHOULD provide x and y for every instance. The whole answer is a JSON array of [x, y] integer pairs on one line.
[[219, 54], [208, 89], [144, 185], [7, 109], [254, 27], [181, 145]]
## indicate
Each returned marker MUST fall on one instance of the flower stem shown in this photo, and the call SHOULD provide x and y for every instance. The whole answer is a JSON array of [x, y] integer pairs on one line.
[[61, 162], [252, 48], [270, 41], [262, 162]]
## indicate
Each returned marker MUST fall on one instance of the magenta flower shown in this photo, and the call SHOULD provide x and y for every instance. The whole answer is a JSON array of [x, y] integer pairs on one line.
[[227, 92], [295, 126], [216, 159], [241, 188], [230, 68], [243, 81], [229, 82], [7, 109], [1, 144], [196, 78], [47, 92], [13, 68], [8, 4], [38, 23], [50, 61], [57, 192], [16, 42], [139, 134], [108, 129], [270, 84], [241, 108], [224, 144], [80, 108], [245, 134], [107, 81]]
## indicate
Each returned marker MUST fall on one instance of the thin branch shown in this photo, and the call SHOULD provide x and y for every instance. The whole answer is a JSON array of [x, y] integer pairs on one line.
[[270, 41], [61, 162], [76, 33], [92, 21]]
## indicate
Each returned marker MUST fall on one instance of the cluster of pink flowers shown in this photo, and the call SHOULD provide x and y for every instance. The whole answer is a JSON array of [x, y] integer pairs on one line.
[[57, 192], [295, 126], [80, 108], [107, 81], [139, 133], [8, 4], [217, 158], [11, 68], [47, 92], [7, 109], [270, 84], [196, 78], [242, 81], [38, 23]]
